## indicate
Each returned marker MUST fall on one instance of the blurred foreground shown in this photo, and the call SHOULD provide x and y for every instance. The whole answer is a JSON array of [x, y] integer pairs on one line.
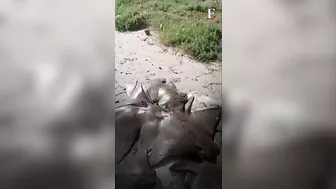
[[56, 94], [279, 78]]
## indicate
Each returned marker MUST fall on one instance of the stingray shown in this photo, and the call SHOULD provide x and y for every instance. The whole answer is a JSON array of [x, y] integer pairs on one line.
[[168, 132], [135, 171], [180, 132], [151, 87], [203, 102], [158, 90], [129, 120], [196, 175], [161, 93]]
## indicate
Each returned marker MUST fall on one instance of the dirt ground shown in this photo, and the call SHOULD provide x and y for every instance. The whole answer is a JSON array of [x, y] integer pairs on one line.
[[141, 57]]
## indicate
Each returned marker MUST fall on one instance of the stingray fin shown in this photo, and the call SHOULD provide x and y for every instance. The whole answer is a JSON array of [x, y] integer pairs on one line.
[[146, 97], [127, 129], [139, 93], [206, 120], [185, 165], [172, 86], [210, 148], [188, 105], [129, 92], [135, 171]]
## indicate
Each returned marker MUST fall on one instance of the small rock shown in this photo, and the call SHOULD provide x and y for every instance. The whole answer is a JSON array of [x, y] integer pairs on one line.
[[160, 68], [147, 33]]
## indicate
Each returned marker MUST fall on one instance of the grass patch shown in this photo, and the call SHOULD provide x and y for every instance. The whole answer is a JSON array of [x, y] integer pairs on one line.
[[179, 23]]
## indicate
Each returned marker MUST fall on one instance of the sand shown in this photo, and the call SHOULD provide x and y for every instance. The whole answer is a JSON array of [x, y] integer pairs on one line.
[[139, 57]]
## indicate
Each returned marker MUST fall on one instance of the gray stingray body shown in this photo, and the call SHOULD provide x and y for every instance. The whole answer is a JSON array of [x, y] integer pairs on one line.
[[132, 166], [159, 91], [162, 93], [202, 101], [159, 121], [169, 131], [165, 134], [196, 175], [182, 134], [129, 120], [135, 171]]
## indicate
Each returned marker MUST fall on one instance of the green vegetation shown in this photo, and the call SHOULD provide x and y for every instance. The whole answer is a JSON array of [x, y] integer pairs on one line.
[[178, 23]]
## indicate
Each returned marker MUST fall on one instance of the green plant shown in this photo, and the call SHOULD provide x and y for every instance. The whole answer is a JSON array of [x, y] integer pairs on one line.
[[179, 23]]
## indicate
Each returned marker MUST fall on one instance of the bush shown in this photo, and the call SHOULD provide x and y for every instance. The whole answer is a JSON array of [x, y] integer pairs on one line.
[[130, 20]]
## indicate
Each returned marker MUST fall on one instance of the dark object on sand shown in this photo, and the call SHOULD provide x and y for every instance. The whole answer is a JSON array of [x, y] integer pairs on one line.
[[156, 127], [148, 33]]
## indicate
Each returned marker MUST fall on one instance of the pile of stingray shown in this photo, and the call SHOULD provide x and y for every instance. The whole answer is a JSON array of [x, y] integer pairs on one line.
[[158, 125]]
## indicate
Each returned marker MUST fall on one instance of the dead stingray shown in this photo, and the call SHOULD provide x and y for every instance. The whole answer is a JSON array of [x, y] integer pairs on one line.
[[137, 93], [181, 132], [168, 132], [129, 118], [167, 135], [181, 135], [151, 87], [203, 101], [159, 91], [135, 171], [171, 132], [202, 174]]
